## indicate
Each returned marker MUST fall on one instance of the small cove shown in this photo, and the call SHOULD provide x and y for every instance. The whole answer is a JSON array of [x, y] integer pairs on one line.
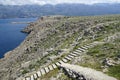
[[11, 35]]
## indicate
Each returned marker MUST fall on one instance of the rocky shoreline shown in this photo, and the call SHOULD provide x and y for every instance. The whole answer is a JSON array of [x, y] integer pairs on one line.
[[22, 54]]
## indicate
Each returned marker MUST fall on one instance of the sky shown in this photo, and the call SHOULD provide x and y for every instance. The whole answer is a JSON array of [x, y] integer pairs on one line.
[[42, 2]]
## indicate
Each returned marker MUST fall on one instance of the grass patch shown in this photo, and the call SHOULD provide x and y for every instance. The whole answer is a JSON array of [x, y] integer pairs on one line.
[[90, 62], [93, 65], [94, 51], [114, 71], [105, 50], [50, 74]]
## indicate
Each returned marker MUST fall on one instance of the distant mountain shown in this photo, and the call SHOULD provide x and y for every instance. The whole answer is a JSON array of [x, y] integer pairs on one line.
[[14, 11]]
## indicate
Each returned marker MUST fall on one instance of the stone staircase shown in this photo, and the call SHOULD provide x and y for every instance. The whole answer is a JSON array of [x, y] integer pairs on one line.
[[66, 59]]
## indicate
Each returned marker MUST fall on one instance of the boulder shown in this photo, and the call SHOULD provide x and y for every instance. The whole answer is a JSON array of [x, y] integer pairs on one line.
[[109, 62]]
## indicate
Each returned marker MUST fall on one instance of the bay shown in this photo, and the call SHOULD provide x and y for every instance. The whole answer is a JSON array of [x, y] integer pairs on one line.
[[10, 35]]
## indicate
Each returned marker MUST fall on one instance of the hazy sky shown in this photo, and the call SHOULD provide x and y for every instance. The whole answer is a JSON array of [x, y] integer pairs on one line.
[[42, 2]]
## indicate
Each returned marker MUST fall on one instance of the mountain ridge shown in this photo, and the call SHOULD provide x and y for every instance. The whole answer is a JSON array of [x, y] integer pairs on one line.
[[15, 11]]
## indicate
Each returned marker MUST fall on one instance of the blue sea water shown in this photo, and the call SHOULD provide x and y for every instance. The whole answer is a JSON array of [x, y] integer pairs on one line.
[[10, 35]]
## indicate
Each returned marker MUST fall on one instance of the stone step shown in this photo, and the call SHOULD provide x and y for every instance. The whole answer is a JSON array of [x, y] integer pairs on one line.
[[81, 49], [32, 77], [35, 76], [39, 74], [54, 66], [76, 53], [61, 62], [28, 78], [50, 67], [67, 70], [47, 69], [87, 46], [57, 63], [68, 58], [42, 71], [64, 60]]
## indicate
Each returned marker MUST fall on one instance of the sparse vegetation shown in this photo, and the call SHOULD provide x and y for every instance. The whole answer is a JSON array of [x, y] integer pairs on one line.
[[52, 34], [97, 54]]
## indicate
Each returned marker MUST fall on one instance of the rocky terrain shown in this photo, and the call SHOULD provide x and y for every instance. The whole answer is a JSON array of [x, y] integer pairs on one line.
[[52, 37]]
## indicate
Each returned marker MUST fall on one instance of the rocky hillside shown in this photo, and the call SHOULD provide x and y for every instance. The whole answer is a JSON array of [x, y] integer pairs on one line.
[[52, 37]]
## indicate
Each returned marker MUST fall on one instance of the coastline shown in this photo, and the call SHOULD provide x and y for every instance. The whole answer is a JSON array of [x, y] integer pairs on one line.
[[31, 31], [8, 53], [21, 22]]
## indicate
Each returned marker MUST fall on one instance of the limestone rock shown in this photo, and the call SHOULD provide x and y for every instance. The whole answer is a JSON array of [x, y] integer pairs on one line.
[[109, 62]]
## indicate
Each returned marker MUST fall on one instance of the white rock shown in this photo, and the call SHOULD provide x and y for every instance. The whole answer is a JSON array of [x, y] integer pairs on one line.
[[54, 66], [28, 78], [46, 69], [65, 60], [38, 73], [81, 49], [42, 71], [57, 63], [35, 76], [78, 51], [68, 58], [61, 62], [50, 67], [73, 54], [32, 78]]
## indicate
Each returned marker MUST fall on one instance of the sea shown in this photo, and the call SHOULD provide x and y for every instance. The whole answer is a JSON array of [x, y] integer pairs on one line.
[[10, 33]]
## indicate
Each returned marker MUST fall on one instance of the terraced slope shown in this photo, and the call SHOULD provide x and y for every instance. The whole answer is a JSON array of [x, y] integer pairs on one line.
[[65, 59]]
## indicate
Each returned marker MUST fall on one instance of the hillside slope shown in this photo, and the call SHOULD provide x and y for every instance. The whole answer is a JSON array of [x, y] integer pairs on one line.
[[52, 37]]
